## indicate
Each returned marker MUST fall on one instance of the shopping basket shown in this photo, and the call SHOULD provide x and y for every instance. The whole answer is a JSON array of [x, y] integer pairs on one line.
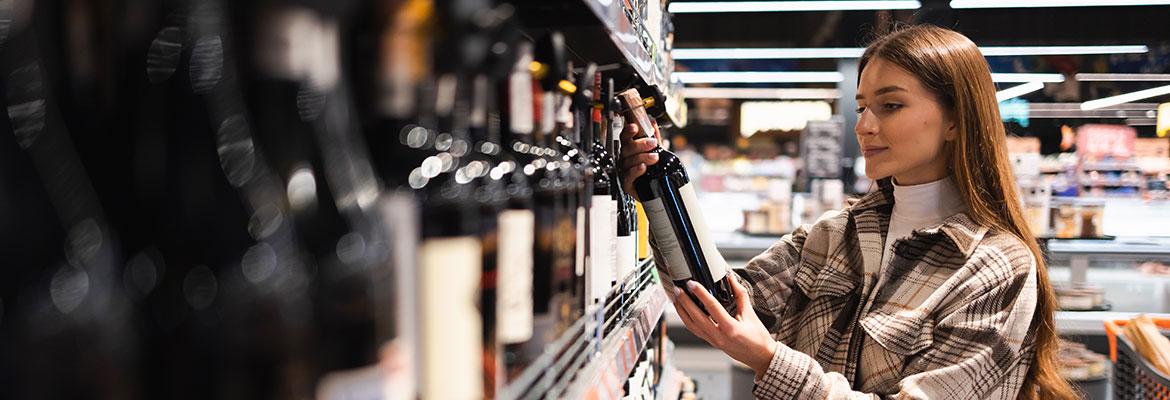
[[1133, 376]]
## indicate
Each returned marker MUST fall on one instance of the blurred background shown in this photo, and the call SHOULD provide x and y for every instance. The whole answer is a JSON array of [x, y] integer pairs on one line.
[[412, 198]]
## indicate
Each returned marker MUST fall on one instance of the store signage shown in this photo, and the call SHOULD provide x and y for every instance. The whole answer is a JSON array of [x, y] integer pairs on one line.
[[1101, 141], [756, 116], [1163, 119], [821, 147], [1014, 110]]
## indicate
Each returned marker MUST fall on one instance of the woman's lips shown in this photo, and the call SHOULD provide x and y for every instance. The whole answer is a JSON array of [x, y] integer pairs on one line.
[[872, 151]]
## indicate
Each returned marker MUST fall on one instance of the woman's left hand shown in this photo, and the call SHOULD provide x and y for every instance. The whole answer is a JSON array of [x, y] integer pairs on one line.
[[743, 337]]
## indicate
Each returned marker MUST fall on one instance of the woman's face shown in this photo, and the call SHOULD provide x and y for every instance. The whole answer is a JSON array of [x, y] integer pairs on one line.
[[901, 128]]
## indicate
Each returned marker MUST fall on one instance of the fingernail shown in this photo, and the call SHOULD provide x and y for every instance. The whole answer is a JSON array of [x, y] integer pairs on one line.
[[692, 285], [651, 142], [654, 156], [676, 291]]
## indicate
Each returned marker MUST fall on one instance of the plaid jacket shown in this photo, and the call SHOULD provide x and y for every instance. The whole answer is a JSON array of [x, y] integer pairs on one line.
[[949, 317]]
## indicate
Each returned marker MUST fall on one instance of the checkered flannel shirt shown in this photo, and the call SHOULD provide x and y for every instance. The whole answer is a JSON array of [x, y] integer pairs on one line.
[[950, 315]]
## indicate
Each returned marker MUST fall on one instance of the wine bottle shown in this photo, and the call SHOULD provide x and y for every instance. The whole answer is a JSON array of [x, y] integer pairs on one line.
[[675, 219], [603, 205], [517, 224]]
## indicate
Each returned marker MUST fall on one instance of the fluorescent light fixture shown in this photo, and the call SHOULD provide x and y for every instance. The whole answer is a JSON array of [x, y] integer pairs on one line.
[[1123, 77], [1021, 78], [779, 6], [1125, 98], [855, 52], [1017, 91], [765, 53], [760, 77], [1052, 3], [824, 77], [992, 51], [761, 93]]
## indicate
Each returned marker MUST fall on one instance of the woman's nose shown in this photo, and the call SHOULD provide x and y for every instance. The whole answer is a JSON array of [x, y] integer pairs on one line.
[[866, 123]]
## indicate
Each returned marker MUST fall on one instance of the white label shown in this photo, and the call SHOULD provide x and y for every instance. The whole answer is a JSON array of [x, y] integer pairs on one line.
[[362, 383], [672, 255], [601, 233], [611, 241], [668, 244], [627, 255], [581, 241], [520, 97], [547, 109], [714, 259], [451, 337], [514, 283]]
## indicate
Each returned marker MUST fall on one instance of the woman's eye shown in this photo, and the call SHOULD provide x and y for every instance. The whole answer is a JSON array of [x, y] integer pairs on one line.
[[860, 110], [892, 106]]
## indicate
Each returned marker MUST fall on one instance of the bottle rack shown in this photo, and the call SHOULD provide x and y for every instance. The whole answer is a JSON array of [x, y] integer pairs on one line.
[[592, 360], [650, 59]]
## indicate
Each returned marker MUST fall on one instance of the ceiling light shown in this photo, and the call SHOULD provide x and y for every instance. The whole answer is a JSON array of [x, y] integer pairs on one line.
[[992, 51], [761, 93], [855, 52], [1016, 77], [1123, 77], [760, 77], [1052, 3], [778, 6], [1017, 91], [1125, 98], [765, 53]]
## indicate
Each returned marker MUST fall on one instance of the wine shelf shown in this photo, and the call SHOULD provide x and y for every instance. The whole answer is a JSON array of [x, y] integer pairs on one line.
[[653, 64], [594, 357]]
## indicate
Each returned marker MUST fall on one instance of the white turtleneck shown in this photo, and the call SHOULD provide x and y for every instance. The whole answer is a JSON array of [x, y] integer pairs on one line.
[[921, 206]]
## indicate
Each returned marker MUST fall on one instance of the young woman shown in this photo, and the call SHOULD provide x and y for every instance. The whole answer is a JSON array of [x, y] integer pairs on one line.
[[931, 285]]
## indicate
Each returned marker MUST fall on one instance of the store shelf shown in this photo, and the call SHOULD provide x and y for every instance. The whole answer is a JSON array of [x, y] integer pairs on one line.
[[1121, 246], [593, 360], [1091, 322], [740, 246], [643, 54]]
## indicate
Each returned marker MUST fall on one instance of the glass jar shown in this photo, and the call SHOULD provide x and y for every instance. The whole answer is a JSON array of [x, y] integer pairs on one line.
[[1091, 218], [1066, 219]]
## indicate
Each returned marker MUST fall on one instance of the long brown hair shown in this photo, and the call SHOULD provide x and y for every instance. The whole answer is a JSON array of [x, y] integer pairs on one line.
[[952, 68]]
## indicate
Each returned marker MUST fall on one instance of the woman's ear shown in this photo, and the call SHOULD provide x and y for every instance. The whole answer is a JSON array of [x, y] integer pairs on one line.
[[952, 132]]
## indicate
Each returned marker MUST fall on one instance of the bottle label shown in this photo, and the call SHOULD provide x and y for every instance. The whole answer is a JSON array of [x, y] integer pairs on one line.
[[666, 239], [611, 240], [520, 114], [580, 260], [514, 285], [601, 233], [715, 261], [362, 383], [627, 255], [668, 242], [452, 340]]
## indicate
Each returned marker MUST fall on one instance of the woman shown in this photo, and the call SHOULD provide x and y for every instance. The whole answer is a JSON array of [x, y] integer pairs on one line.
[[931, 285]]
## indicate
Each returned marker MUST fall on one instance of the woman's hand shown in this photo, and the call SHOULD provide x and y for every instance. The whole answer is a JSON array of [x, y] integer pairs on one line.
[[635, 156], [742, 337]]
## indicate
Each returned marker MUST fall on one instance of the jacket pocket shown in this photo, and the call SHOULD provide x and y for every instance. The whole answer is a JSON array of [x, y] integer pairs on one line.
[[900, 331]]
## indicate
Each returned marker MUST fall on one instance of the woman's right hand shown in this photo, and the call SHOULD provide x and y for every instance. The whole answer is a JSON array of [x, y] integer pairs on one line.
[[636, 156]]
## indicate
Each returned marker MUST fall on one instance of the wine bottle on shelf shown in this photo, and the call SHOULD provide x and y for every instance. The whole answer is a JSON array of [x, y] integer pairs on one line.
[[675, 218], [450, 257], [552, 70], [627, 220], [603, 204], [517, 224]]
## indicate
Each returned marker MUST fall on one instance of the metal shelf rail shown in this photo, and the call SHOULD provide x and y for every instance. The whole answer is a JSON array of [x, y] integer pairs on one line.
[[594, 357]]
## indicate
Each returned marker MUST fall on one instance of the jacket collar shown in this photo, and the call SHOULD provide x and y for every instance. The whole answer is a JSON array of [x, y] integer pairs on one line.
[[872, 216]]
